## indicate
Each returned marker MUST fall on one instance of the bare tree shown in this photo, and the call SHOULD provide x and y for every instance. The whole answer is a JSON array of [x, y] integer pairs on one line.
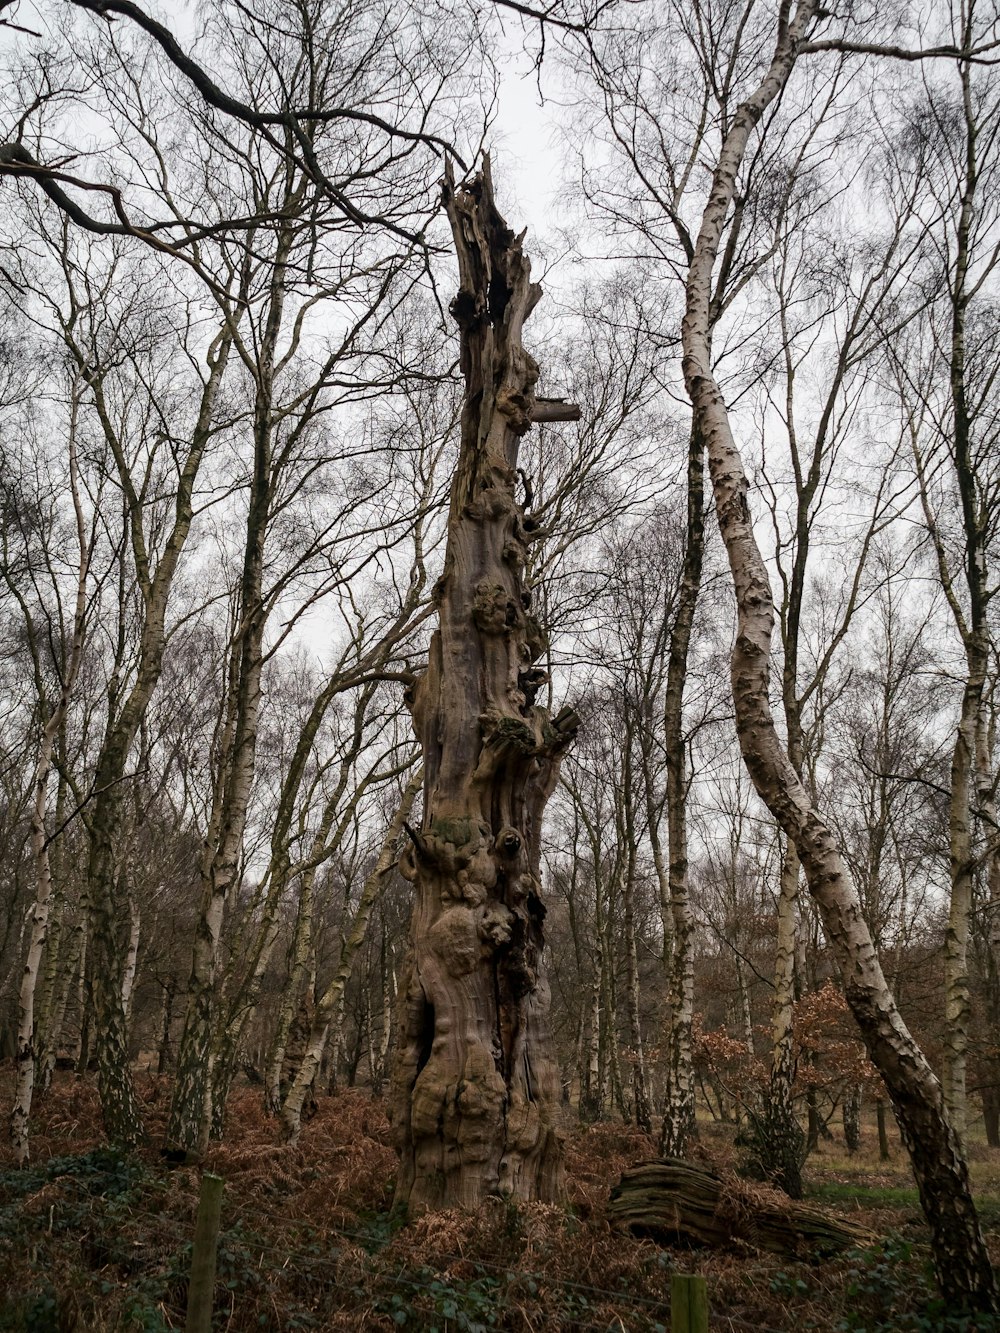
[[945, 375], [942, 1175], [475, 1092]]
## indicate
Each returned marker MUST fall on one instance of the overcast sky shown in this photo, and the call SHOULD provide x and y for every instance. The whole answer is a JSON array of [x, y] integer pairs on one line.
[[525, 148]]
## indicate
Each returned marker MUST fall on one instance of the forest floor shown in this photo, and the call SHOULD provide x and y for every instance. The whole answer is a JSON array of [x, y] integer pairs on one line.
[[93, 1241]]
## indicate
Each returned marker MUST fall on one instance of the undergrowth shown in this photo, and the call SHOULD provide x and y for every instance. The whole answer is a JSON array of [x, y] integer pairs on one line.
[[93, 1240]]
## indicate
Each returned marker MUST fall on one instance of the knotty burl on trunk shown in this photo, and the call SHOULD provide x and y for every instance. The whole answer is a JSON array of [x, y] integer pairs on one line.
[[475, 1093]]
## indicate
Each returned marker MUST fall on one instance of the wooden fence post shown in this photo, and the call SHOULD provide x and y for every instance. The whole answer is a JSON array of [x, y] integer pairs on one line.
[[688, 1304], [206, 1240]]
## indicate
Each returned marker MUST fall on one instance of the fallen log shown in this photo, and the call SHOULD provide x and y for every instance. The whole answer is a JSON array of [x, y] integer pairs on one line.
[[672, 1200]]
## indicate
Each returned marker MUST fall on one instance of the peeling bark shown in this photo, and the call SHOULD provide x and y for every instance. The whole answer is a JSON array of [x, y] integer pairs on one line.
[[475, 1093], [785, 1141]]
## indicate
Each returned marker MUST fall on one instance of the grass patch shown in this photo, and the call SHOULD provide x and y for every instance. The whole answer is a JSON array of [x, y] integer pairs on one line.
[[870, 1196]]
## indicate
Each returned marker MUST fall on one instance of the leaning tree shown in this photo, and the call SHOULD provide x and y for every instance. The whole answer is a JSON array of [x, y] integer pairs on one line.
[[961, 1257], [475, 1092]]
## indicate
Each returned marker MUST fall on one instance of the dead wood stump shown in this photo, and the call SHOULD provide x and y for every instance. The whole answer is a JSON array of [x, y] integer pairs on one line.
[[674, 1200]]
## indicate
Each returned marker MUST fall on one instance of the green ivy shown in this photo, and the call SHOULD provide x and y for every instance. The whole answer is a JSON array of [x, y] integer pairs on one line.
[[888, 1295]]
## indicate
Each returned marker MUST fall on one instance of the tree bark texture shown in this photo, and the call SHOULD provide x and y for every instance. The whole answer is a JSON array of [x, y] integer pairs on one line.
[[475, 1094], [641, 1103], [672, 1199], [975, 635], [191, 1114], [884, 1154], [679, 1125], [961, 1258], [852, 1117], [781, 1143]]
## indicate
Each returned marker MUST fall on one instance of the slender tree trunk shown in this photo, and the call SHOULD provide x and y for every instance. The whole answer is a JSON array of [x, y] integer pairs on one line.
[[190, 1123], [590, 1073], [609, 1079], [380, 1042], [957, 1002], [991, 953], [83, 1006], [961, 1258], [745, 1012], [302, 944], [332, 998], [784, 1151], [26, 1051], [25, 1056], [335, 1044], [782, 1058], [852, 1117], [48, 1011], [883, 1135], [642, 1110], [131, 956], [163, 1054], [475, 1096], [975, 634], [106, 968], [619, 1089], [991, 1116], [60, 960], [679, 1125], [971, 621]]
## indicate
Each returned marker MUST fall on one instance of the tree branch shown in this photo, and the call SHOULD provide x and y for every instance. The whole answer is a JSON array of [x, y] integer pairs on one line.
[[974, 55]]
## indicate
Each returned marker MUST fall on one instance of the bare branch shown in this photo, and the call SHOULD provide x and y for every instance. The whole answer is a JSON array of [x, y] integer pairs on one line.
[[974, 55], [232, 106]]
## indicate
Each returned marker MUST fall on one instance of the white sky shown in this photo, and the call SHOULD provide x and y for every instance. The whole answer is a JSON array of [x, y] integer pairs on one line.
[[528, 166]]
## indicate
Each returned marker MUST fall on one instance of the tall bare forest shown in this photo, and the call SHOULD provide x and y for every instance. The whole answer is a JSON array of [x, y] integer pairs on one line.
[[499, 690]]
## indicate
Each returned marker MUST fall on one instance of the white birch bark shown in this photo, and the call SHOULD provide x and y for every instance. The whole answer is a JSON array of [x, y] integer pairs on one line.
[[25, 1057], [131, 957], [962, 1260]]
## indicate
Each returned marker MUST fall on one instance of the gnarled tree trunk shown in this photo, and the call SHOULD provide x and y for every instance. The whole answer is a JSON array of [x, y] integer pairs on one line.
[[475, 1094]]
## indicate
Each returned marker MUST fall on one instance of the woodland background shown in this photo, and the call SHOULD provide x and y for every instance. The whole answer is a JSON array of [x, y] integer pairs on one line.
[[230, 407]]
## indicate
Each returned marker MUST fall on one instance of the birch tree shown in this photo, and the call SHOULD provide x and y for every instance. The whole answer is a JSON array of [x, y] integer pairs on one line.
[[963, 1265], [54, 684], [768, 107], [946, 376]]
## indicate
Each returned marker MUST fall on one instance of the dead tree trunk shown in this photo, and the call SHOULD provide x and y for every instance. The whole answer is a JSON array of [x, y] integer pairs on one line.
[[672, 1199], [475, 1094]]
